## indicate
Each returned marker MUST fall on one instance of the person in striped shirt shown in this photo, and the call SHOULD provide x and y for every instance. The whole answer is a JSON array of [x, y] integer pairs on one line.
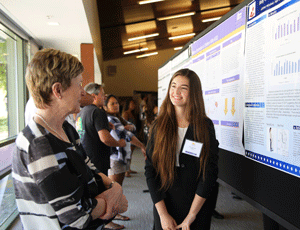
[[56, 185]]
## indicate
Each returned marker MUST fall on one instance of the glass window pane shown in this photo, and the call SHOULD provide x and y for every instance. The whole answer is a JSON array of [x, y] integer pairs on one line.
[[7, 199], [7, 81]]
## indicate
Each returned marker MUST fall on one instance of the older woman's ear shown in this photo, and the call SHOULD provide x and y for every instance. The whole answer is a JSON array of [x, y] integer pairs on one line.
[[57, 90]]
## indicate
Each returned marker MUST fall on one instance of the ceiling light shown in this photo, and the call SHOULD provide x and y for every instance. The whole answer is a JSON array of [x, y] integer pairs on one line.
[[135, 51], [147, 55], [149, 1], [178, 48], [182, 36], [176, 16], [53, 23], [142, 37], [211, 19]]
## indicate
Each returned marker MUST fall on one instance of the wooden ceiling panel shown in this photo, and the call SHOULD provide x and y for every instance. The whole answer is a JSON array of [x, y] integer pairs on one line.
[[121, 20], [138, 13], [180, 26]]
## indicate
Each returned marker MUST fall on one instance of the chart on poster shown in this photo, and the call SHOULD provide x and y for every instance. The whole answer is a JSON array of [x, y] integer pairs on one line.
[[218, 59], [272, 84]]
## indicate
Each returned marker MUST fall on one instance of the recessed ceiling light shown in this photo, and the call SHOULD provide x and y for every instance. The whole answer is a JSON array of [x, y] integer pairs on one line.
[[135, 51], [178, 48], [182, 36], [176, 16], [53, 23], [147, 55], [211, 19], [142, 37], [149, 1]]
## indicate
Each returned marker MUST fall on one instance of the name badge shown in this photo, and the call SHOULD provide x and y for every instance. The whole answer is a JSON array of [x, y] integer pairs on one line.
[[192, 148]]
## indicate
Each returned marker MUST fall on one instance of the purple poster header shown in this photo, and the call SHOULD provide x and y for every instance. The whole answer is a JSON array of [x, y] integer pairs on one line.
[[216, 122], [234, 39], [229, 25], [213, 91], [213, 51], [230, 123], [198, 58], [231, 79], [212, 56]]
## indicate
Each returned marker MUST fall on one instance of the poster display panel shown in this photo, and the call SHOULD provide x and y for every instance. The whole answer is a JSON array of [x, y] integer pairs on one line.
[[272, 84], [218, 59], [181, 61], [164, 76]]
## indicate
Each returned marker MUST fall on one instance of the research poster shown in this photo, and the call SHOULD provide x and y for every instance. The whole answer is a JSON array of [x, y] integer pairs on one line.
[[181, 61], [272, 84], [164, 76], [218, 59]]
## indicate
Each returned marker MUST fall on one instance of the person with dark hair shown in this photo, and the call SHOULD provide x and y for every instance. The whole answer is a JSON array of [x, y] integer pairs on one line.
[[128, 115], [182, 157], [120, 157], [56, 185], [93, 128], [150, 112]]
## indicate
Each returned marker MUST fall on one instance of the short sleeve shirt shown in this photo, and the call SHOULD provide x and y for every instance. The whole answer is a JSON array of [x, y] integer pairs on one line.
[[90, 120]]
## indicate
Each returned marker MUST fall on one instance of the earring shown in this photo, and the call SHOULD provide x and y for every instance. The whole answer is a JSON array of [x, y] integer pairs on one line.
[[59, 97]]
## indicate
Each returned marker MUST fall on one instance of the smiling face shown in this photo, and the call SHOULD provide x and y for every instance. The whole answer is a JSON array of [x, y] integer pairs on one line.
[[179, 91], [112, 106]]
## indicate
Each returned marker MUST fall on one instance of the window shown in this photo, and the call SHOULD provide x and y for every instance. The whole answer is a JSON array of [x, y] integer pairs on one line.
[[13, 59], [12, 86]]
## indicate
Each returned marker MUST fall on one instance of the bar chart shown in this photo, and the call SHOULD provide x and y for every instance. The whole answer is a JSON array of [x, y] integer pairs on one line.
[[287, 28], [286, 67]]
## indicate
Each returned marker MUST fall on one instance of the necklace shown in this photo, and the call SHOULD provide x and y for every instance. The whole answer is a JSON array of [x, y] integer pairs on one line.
[[40, 116]]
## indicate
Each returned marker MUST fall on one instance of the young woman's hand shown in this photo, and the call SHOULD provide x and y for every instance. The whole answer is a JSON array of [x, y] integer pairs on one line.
[[185, 225], [168, 222]]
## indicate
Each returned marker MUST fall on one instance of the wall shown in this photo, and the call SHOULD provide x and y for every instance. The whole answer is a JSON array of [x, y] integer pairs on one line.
[[87, 59], [134, 74]]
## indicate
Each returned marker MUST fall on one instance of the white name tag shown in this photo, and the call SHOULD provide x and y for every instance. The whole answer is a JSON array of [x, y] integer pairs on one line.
[[192, 148]]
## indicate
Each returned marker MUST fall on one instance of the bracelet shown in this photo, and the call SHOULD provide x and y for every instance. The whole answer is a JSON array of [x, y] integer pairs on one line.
[[111, 184]]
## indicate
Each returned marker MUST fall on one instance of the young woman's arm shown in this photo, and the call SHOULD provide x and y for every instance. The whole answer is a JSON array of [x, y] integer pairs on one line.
[[167, 221], [195, 208]]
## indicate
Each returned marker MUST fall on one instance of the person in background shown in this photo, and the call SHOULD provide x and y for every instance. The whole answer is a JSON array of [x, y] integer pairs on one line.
[[150, 111], [56, 185], [93, 128], [128, 115], [182, 158], [120, 157]]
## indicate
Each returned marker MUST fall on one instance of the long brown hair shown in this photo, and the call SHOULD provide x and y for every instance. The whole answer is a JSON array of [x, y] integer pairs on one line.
[[166, 129]]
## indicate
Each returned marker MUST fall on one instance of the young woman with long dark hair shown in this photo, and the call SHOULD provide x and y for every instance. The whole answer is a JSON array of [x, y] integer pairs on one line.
[[182, 156]]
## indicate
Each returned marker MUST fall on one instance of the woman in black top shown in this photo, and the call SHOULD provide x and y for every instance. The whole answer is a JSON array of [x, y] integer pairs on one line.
[[182, 156]]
